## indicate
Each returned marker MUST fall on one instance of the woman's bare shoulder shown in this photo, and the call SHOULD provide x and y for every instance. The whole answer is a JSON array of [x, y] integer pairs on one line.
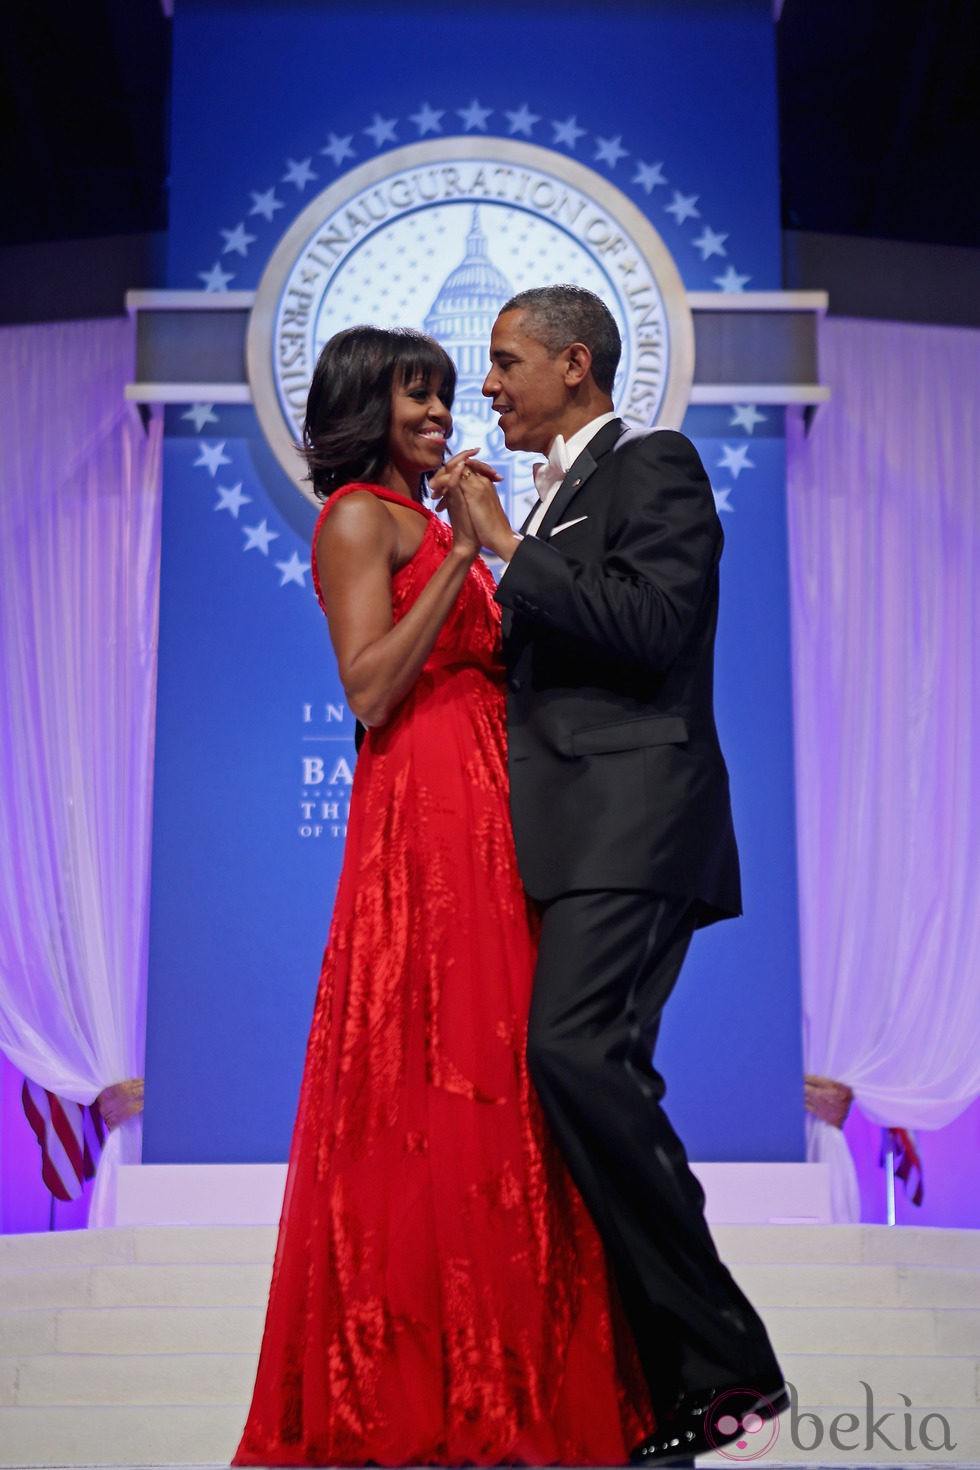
[[356, 516]]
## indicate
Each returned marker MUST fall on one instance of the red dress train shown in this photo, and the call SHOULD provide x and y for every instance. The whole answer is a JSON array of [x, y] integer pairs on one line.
[[439, 1293]]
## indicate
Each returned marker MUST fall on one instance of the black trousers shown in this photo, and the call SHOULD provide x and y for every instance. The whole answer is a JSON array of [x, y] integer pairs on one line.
[[607, 963]]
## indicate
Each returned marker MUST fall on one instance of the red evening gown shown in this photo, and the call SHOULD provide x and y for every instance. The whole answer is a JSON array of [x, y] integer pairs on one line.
[[439, 1293]]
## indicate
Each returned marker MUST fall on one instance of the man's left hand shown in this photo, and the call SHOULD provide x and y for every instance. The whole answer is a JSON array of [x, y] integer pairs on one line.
[[487, 515]]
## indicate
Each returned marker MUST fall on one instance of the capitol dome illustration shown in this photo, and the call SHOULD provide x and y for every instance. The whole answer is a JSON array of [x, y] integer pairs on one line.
[[462, 319], [463, 314]]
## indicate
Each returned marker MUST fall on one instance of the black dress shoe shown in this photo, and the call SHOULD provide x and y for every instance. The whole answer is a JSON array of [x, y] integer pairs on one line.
[[657, 1449], [710, 1418], [681, 1461]]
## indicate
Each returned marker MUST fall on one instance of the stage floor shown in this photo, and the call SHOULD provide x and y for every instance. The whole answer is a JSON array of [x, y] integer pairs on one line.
[[711, 1461], [139, 1344]]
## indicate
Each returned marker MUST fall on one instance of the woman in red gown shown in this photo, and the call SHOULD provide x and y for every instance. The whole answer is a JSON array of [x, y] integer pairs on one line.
[[439, 1294]]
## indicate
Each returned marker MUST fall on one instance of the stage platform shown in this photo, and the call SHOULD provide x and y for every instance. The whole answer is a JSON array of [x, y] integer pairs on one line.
[[251, 1194], [136, 1346]]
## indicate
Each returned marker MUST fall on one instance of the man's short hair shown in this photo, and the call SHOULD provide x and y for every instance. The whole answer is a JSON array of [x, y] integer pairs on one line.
[[558, 315]]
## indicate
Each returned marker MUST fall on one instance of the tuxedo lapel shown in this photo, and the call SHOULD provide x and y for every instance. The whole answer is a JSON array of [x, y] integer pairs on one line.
[[507, 618], [584, 466], [522, 529]]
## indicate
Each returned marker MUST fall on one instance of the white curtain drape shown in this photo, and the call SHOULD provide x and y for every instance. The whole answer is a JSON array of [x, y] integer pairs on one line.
[[79, 570], [884, 519]]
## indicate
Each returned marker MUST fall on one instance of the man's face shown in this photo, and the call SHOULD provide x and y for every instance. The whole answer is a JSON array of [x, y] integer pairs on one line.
[[528, 388]]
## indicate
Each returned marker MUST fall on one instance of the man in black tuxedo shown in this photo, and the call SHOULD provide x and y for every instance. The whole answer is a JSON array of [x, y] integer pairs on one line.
[[623, 827]]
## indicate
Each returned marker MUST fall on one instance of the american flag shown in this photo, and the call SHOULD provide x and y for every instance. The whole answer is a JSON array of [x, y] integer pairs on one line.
[[907, 1161], [71, 1136]]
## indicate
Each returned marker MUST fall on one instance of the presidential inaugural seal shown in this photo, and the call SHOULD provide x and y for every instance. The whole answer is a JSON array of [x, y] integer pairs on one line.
[[438, 235]]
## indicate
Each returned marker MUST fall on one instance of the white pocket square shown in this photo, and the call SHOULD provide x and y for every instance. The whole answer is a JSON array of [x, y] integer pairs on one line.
[[565, 525]]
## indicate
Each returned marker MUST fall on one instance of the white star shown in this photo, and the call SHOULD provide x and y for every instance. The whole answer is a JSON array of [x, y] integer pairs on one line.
[[382, 130], [299, 174], [215, 279], [231, 498], [266, 203], [609, 151], [201, 414], [427, 119], [293, 570], [259, 536], [523, 120], [746, 416], [682, 207], [237, 240], [649, 175], [567, 132], [736, 459], [722, 502], [339, 148], [474, 117], [731, 280], [211, 457], [709, 242]]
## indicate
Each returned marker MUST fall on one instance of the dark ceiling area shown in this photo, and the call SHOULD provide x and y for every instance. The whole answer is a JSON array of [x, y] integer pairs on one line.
[[878, 118], [84, 92]]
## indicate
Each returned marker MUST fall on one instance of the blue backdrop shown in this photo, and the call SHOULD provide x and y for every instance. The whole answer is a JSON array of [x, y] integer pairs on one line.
[[675, 105]]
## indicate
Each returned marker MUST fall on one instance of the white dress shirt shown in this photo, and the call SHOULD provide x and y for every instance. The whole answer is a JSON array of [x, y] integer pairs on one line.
[[562, 454]]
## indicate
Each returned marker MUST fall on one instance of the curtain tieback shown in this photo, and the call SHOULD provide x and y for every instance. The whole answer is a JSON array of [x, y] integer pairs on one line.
[[828, 1100], [120, 1101]]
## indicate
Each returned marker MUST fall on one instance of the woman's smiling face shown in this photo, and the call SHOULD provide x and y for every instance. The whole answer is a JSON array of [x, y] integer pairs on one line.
[[420, 426]]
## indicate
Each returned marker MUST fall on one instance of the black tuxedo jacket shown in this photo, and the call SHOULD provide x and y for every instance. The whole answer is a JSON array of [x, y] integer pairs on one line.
[[617, 777]]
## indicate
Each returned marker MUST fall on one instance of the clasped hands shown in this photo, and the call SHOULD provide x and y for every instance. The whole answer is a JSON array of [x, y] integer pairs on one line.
[[466, 488]]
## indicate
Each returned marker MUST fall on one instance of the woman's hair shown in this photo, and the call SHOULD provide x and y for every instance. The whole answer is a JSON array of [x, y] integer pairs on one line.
[[348, 410]]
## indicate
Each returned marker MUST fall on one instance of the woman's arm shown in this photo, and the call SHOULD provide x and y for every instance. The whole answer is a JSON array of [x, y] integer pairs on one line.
[[357, 552]]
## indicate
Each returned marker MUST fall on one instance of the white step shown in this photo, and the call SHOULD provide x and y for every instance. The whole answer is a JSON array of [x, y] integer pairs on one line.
[[892, 1330], [141, 1434], [747, 1244], [181, 1435], [906, 1244], [226, 1378], [753, 1193], [190, 1434], [201, 1284], [222, 1283], [864, 1285], [132, 1330], [137, 1347], [930, 1382], [161, 1330], [150, 1378]]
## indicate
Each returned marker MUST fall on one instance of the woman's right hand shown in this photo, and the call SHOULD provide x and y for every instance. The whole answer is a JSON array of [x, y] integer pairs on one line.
[[446, 483], [465, 538]]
